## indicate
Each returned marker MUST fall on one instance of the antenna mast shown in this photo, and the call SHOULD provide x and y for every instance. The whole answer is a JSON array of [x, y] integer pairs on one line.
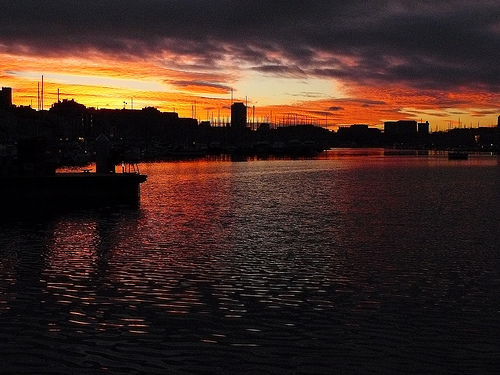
[[42, 92]]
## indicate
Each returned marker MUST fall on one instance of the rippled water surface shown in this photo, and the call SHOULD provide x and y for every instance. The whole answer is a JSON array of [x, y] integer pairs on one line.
[[353, 263]]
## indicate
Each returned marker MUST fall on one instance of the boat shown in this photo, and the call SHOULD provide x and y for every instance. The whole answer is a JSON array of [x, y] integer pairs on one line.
[[458, 155], [185, 151], [405, 152]]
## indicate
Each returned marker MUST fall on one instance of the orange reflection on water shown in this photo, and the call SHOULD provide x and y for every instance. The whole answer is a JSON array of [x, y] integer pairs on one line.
[[75, 272], [73, 250], [70, 264]]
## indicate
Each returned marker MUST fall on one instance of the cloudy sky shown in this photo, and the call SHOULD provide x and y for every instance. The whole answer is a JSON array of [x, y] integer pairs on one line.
[[337, 62]]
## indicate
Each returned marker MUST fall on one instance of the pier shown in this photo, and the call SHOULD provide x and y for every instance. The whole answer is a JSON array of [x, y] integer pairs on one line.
[[31, 184], [69, 190]]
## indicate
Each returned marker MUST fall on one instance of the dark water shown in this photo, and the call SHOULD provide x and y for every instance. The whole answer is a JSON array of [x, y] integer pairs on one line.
[[355, 263]]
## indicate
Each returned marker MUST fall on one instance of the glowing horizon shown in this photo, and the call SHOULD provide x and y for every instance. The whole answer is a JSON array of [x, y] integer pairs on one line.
[[314, 106]]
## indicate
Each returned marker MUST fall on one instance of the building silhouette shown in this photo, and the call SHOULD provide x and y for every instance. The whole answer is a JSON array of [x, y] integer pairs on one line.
[[69, 127], [238, 116], [423, 128], [6, 97], [358, 135], [400, 132], [238, 123]]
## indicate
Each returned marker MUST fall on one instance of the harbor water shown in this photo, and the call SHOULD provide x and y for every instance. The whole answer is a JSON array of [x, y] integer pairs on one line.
[[351, 263]]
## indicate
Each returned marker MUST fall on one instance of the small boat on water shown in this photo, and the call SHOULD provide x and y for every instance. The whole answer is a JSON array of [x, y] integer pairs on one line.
[[405, 152], [185, 151], [458, 155]]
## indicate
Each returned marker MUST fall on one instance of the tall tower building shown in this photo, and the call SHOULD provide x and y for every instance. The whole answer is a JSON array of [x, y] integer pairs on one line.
[[238, 116], [5, 97]]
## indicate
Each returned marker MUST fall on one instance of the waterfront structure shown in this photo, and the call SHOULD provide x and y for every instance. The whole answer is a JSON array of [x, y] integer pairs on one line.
[[28, 194], [29, 183]]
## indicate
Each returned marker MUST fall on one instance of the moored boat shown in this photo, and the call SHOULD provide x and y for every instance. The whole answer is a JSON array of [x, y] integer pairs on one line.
[[458, 155]]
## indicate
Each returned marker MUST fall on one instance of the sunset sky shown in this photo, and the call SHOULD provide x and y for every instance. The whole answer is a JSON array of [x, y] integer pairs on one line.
[[337, 62]]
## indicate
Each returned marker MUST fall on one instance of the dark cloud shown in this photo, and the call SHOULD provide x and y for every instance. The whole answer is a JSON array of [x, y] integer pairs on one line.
[[199, 85], [366, 102], [424, 44], [281, 70], [482, 113]]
